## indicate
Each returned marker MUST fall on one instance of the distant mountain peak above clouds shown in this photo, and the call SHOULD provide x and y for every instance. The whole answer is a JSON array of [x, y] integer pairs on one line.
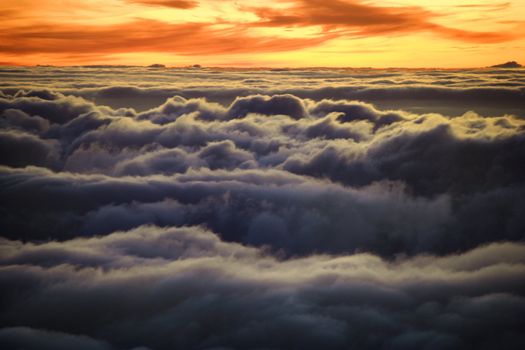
[[510, 64], [157, 65]]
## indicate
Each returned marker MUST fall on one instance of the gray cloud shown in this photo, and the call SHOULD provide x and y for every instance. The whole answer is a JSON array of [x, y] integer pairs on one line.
[[186, 288], [33, 339], [19, 149], [440, 178], [275, 209], [305, 215], [450, 92]]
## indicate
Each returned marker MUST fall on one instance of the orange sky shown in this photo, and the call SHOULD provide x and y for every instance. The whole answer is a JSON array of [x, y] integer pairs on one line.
[[293, 33]]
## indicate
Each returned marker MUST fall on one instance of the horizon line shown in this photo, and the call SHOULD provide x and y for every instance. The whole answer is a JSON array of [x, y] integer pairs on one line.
[[197, 66]]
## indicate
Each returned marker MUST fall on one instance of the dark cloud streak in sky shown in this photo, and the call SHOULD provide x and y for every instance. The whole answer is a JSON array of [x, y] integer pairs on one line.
[[178, 4], [357, 18]]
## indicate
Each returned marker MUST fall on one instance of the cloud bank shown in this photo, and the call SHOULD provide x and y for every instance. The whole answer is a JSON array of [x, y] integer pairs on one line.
[[161, 288], [260, 215]]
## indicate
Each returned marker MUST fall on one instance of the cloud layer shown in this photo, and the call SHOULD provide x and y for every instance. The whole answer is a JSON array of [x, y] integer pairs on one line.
[[384, 181], [161, 288], [489, 92], [275, 212]]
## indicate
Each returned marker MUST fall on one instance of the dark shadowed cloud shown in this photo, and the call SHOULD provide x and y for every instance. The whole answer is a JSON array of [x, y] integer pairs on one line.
[[414, 182], [161, 288], [276, 212]]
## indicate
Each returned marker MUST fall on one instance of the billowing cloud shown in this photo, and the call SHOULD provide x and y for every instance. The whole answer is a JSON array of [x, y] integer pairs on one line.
[[233, 209], [490, 92], [271, 160], [20, 149], [160, 288]]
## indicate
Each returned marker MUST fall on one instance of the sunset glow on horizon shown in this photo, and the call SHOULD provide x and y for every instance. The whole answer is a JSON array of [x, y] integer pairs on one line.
[[255, 33]]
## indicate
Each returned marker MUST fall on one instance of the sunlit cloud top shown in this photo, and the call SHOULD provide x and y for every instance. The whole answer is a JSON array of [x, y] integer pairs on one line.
[[408, 33]]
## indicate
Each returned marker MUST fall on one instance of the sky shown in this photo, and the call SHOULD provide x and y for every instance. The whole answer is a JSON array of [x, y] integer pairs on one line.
[[269, 33]]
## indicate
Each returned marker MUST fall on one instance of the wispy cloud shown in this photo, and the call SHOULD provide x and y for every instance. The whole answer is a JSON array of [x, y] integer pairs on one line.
[[179, 4], [250, 28], [356, 18], [145, 36]]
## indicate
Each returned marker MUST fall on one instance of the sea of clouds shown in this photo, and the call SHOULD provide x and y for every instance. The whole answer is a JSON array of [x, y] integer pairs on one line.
[[193, 208]]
